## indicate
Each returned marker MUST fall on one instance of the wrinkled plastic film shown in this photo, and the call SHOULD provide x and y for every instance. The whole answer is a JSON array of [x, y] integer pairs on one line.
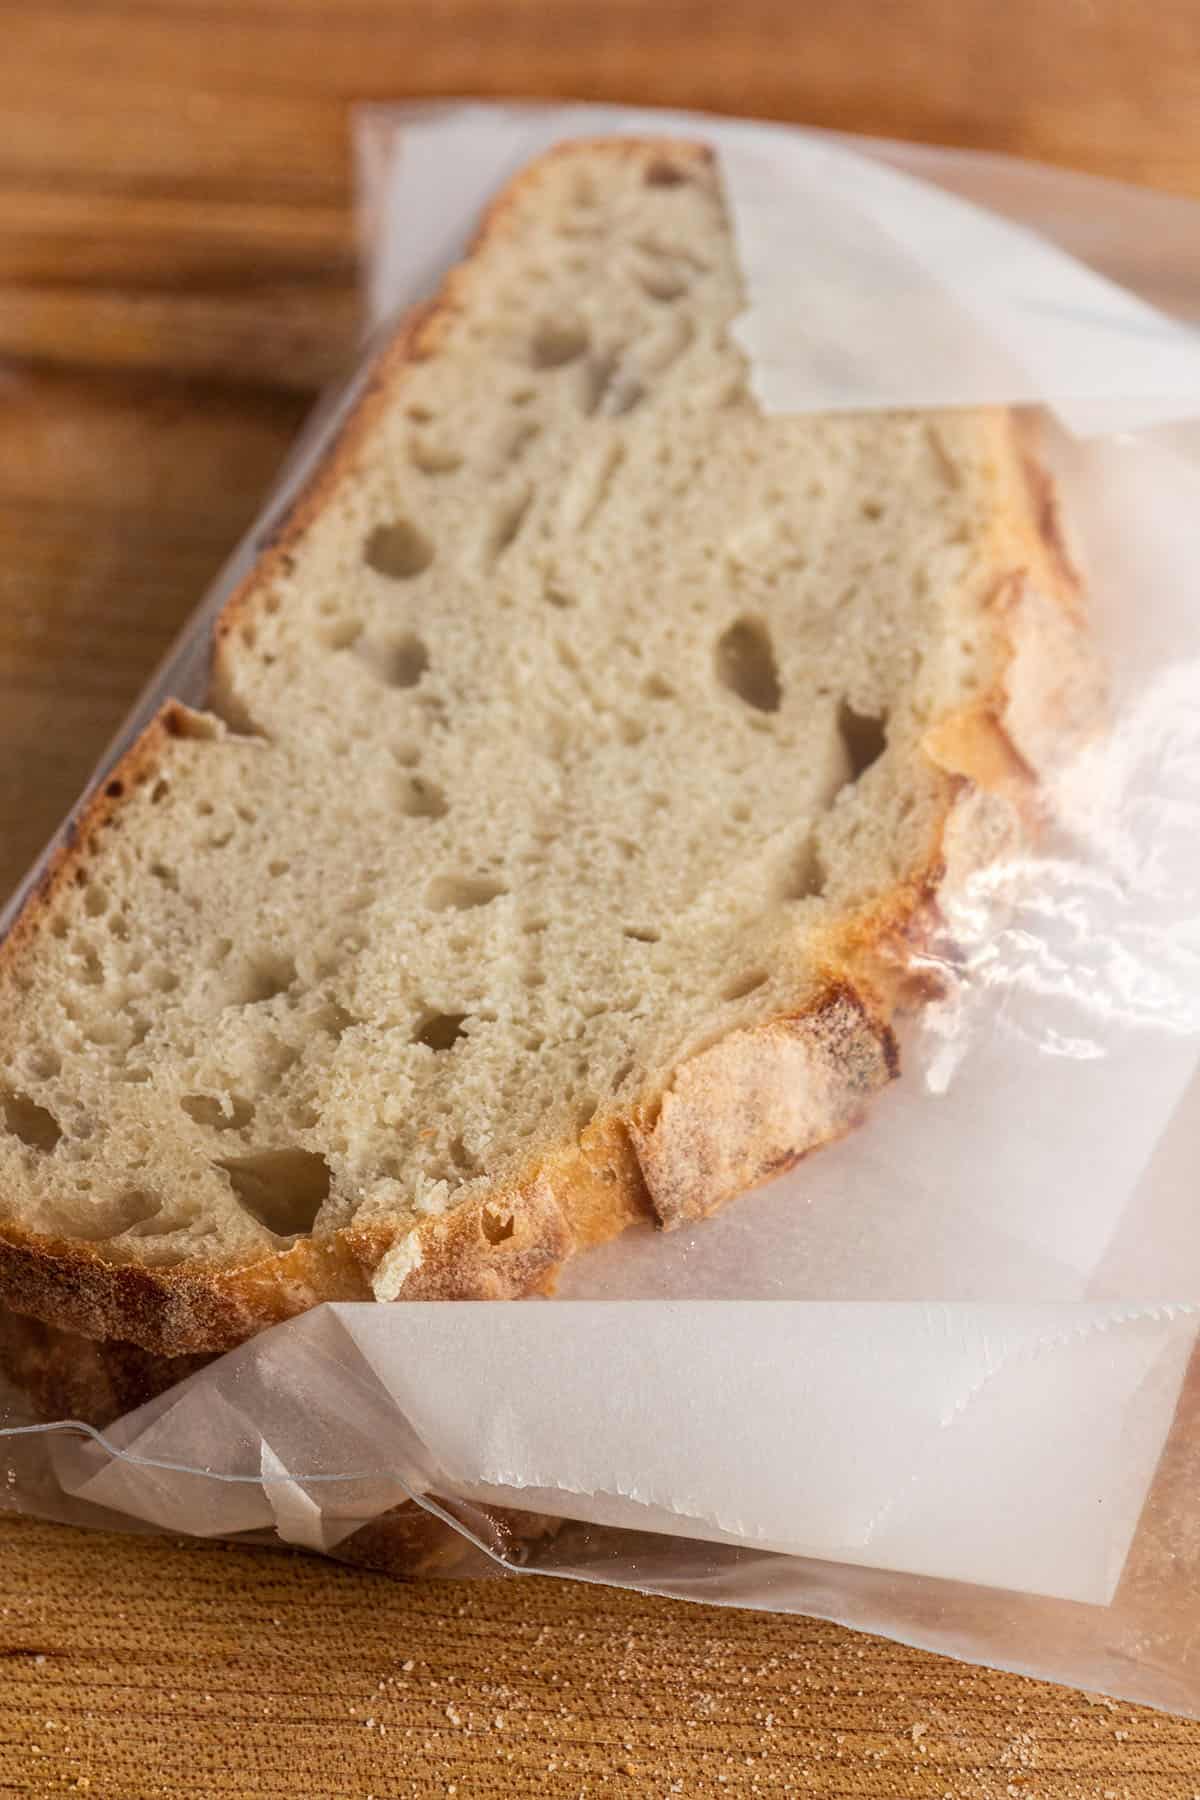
[[979, 1454], [933, 1472]]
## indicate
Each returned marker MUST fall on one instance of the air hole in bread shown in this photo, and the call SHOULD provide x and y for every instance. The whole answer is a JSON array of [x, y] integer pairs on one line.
[[159, 791], [745, 664], [663, 281], [333, 1018], [611, 385], [496, 1227], [342, 634], [745, 985], [507, 521], [185, 722], [461, 892], [872, 510], [435, 456], [232, 709], [400, 664], [558, 341], [398, 550], [229, 1113], [130, 1211], [90, 970], [667, 344], [804, 877], [441, 1031], [421, 798], [641, 934], [597, 373], [278, 867], [864, 737], [662, 173], [35, 1125], [136, 1212], [263, 978], [95, 900], [282, 1189], [104, 1031], [655, 688], [465, 1161], [516, 440]]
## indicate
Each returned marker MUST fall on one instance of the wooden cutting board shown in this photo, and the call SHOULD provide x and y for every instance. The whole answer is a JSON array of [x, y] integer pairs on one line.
[[176, 279]]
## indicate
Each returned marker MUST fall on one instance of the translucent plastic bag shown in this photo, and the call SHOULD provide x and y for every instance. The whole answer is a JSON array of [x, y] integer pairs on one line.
[[926, 1383]]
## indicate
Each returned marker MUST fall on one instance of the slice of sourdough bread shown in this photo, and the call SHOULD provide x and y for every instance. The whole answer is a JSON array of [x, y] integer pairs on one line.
[[577, 755]]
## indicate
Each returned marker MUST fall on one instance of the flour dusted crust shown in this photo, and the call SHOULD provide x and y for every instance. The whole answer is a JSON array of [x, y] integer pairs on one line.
[[745, 1100]]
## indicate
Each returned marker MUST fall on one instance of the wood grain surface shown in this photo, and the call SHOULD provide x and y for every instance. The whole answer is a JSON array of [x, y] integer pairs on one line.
[[176, 279]]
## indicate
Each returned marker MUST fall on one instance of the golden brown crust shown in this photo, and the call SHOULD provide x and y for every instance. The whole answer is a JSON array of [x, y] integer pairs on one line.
[[512, 1239], [62, 1375], [758, 1100], [172, 1311], [99, 807], [736, 1113]]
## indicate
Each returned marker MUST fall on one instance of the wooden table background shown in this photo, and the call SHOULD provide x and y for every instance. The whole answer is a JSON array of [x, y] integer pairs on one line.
[[176, 279]]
